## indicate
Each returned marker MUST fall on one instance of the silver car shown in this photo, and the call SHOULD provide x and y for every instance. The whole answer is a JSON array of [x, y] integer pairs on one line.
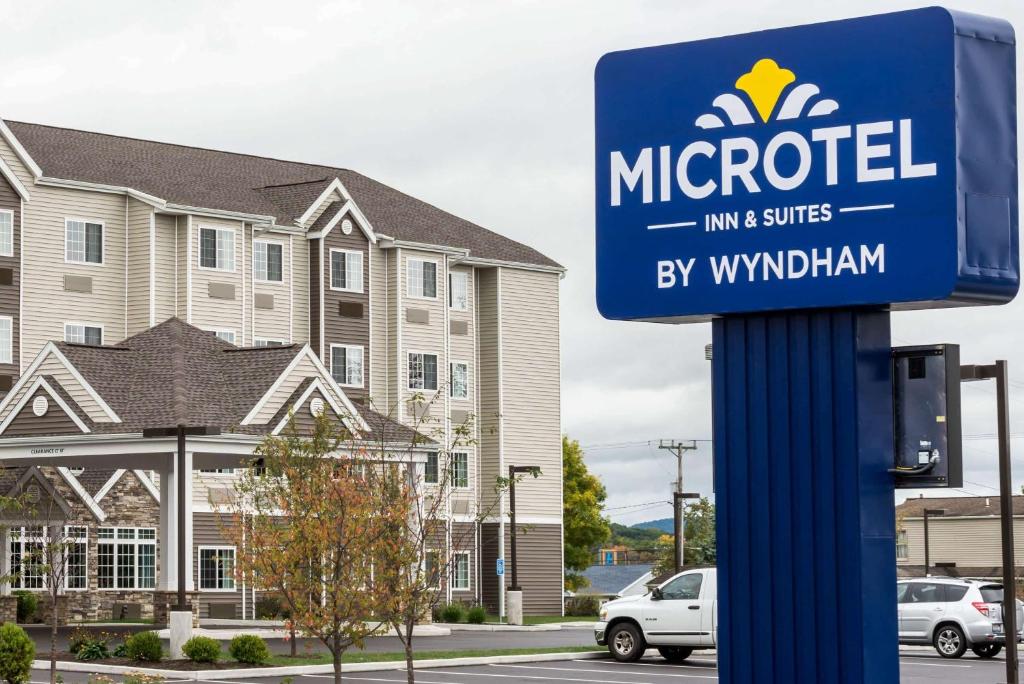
[[953, 615]]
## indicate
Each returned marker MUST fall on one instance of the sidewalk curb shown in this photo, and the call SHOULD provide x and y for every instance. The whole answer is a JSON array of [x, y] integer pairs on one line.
[[66, 666], [550, 627]]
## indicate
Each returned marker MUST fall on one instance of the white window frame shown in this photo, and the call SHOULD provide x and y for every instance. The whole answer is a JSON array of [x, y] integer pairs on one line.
[[116, 542], [437, 468], [255, 272], [263, 342], [454, 470], [16, 535], [83, 325], [217, 332], [103, 241], [902, 544], [7, 345], [408, 279], [10, 252], [408, 374], [451, 380], [453, 571], [330, 269], [199, 248], [217, 471], [199, 569], [362, 364], [462, 275], [84, 541]]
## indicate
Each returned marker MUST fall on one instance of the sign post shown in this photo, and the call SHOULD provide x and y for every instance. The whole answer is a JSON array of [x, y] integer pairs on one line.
[[793, 187]]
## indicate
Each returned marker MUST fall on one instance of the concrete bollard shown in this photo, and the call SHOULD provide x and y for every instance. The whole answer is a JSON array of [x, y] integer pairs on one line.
[[514, 604], [180, 625]]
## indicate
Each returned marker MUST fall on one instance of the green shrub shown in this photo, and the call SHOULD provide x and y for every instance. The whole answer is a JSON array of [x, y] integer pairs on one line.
[[79, 637], [28, 603], [248, 648], [202, 649], [86, 645], [476, 615], [453, 612], [582, 606], [268, 607], [17, 652], [144, 646], [94, 650]]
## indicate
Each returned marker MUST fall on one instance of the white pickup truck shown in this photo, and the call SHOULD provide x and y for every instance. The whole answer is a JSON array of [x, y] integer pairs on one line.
[[677, 617]]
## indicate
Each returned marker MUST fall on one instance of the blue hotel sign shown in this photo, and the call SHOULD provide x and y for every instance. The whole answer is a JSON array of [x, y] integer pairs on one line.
[[870, 161]]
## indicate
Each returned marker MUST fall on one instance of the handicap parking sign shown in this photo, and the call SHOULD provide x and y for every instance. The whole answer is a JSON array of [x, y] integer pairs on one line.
[[500, 567]]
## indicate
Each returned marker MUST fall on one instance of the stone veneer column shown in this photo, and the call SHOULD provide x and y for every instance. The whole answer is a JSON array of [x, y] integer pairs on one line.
[[5, 560]]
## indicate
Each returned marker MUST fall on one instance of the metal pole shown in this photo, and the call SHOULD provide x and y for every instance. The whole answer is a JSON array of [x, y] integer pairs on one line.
[[1006, 515], [182, 601], [512, 520], [678, 512], [926, 542]]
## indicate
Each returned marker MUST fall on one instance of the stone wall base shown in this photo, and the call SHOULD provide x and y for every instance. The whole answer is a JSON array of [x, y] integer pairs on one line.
[[165, 601], [45, 609], [8, 609]]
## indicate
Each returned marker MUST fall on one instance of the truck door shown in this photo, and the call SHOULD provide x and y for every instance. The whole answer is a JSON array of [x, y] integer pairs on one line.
[[676, 618]]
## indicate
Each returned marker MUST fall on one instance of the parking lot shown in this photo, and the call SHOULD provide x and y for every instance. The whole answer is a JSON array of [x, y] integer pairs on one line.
[[914, 668]]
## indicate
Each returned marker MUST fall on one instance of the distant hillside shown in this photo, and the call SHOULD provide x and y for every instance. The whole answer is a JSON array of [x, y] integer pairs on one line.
[[666, 525]]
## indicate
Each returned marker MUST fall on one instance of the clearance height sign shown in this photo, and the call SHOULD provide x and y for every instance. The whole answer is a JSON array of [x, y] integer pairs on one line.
[[862, 162]]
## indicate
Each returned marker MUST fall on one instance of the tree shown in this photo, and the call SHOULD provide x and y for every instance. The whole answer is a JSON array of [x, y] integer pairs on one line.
[[312, 527], [699, 547], [583, 500]]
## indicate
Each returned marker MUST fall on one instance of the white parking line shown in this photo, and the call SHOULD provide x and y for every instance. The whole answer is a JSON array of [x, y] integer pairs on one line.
[[711, 663], [549, 679], [580, 669], [903, 662]]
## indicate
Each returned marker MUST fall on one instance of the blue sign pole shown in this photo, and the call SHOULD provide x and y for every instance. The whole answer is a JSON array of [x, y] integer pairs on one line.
[[806, 535]]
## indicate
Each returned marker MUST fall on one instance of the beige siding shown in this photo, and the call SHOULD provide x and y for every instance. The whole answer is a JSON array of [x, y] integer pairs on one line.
[[14, 162], [52, 366], [968, 542], [427, 338], [166, 275], [300, 289], [45, 267], [302, 370], [181, 267], [212, 313], [463, 347], [273, 323], [531, 400], [379, 327], [488, 374], [140, 216]]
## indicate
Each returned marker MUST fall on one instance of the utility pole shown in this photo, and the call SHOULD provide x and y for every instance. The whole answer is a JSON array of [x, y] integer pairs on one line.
[[678, 448]]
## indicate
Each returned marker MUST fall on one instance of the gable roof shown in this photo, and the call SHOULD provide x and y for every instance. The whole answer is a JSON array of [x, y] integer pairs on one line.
[[226, 181]]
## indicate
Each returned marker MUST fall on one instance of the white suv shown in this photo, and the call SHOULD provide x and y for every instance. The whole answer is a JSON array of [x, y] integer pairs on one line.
[[953, 615], [677, 617]]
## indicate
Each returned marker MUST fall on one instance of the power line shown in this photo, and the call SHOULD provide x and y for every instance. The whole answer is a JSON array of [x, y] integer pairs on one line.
[[646, 503]]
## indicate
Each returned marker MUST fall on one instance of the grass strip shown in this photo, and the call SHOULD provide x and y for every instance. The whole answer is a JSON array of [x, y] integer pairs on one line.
[[365, 657]]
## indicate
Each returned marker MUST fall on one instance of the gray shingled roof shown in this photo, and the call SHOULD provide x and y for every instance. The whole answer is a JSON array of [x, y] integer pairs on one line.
[[609, 580], [973, 506], [212, 179]]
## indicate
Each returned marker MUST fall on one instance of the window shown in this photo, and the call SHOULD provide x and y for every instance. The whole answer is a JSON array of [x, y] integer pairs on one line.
[[422, 278], [422, 371], [126, 558], [217, 568], [27, 558], [684, 587], [347, 365], [6, 233], [459, 388], [6, 337], [83, 242], [901, 544], [460, 470], [217, 248], [458, 290], [76, 550], [430, 471], [460, 570], [81, 333], [262, 342], [346, 270], [266, 261], [923, 592], [218, 471], [225, 335]]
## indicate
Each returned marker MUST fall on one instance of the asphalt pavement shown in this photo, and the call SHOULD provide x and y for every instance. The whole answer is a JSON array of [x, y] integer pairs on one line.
[[914, 669]]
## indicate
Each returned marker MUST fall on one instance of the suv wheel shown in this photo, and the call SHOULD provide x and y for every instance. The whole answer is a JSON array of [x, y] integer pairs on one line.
[[987, 650], [675, 654], [626, 643], [949, 641]]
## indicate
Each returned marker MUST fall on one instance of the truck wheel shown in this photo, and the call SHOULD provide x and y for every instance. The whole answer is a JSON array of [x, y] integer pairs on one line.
[[675, 654], [987, 650], [626, 643], [949, 641]]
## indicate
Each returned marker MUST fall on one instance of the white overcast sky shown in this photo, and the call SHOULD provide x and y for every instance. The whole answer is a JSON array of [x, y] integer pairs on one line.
[[485, 109]]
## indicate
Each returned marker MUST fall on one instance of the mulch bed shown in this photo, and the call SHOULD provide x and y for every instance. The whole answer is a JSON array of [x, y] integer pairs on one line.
[[178, 665]]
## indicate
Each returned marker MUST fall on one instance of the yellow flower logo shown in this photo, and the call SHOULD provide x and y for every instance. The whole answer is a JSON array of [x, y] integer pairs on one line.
[[764, 84]]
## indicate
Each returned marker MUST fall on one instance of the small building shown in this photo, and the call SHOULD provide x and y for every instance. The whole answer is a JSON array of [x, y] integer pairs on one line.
[[612, 581], [964, 542]]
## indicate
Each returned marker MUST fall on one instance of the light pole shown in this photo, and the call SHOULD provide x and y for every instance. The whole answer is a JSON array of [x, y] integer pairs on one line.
[[513, 471], [938, 512]]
